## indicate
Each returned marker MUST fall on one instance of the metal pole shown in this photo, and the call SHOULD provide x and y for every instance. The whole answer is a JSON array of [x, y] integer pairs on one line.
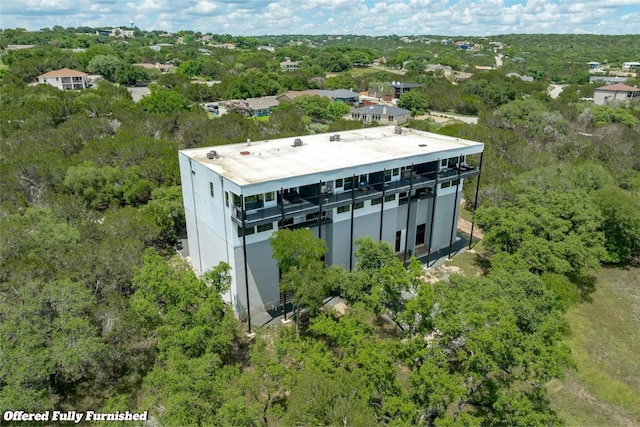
[[475, 203], [453, 218], [406, 235], [320, 196], [353, 200], [246, 269], [433, 213], [382, 204]]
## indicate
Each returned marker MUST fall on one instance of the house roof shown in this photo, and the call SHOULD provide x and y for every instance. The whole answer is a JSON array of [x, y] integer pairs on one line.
[[386, 110], [262, 103], [277, 160], [64, 72], [338, 93], [292, 94], [618, 87], [405, 85]]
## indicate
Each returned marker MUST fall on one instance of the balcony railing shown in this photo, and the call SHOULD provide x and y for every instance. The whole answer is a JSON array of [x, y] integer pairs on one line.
[[422, 184]]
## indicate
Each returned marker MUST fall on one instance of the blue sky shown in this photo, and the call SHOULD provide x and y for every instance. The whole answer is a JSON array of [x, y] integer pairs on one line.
[[366, 17]]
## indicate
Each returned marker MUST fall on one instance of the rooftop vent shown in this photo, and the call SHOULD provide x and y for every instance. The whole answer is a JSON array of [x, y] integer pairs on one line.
[[213, 154], [297, 142], [335, 137], [398, 130]]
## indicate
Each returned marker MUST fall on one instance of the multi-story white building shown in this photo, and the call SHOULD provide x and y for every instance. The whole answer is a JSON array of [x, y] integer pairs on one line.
[[65, 79], [399, 185]]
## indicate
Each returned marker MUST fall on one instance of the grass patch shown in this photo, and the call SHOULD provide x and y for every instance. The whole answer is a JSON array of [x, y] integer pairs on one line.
[[605, 342]]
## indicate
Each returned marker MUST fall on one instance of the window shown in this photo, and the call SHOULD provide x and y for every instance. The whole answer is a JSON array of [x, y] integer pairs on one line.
[[390, 118], [375, 117], [358, 205], [445, 185], [348, 183], [443, 163], [211, 188], [269, 197], [376, 201], [342, 209], [455, 182], [254, 202], [338, 183], [387, 175], [390, 198], [265, 227], [226, 198], [236, 200], [247, 231], [396, 171]]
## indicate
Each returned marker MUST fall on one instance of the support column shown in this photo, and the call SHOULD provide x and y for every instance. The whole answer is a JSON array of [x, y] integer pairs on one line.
[[453, 217], [382, 204], [353, 200], [433, 213], [475, 203], [406, 235], [246, 269]]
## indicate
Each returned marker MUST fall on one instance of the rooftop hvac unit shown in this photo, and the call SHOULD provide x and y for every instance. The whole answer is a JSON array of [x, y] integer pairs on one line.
[[213, 154], [398, 130], [297, 142], [336, 137], [332, 138]]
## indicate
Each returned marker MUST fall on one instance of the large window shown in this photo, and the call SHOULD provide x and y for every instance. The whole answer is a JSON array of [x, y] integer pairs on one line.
[[376, 201], [254, 202], [358, 205], [265, 227], [343, 209], [211, 188]]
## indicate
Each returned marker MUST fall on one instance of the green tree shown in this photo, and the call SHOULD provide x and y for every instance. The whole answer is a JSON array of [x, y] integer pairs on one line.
[[105, 65], [414, 101], [299, 256], [164, 101], [621, 222]]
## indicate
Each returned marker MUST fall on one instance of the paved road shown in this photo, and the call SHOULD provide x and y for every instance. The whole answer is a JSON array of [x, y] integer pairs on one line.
[[555, 90]]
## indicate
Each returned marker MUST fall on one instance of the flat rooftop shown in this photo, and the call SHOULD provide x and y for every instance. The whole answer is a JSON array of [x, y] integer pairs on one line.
[[269, 160]]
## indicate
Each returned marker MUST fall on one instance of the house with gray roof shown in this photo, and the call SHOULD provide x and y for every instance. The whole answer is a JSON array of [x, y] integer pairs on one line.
[[402, 88], [261, 107], [341, 95], [383, 114]]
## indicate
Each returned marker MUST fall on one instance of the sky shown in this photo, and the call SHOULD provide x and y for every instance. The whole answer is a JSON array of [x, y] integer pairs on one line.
[[362, 17]]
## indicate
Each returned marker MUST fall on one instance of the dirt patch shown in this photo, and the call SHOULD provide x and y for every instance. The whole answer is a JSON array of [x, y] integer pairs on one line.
[[440, 273], [465, 227]]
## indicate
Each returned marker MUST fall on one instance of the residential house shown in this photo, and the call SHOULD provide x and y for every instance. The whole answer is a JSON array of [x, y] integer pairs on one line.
[[446, 70], [630, 65], [289, 65], [341, 95], [616, 93], [402, 88], [607, 79], [261, 107], [267, 48], [65, 79], [383, 114], [593, 65], [163, 68], [293, 94], [398, 185]]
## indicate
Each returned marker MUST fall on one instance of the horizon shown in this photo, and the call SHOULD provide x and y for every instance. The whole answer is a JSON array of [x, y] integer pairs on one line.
[[465, 18]]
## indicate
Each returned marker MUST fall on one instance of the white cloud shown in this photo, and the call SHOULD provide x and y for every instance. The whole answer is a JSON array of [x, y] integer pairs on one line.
[[368, 17]]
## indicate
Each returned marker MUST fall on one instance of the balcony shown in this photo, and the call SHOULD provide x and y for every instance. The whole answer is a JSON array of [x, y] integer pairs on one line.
[[292, 205]]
